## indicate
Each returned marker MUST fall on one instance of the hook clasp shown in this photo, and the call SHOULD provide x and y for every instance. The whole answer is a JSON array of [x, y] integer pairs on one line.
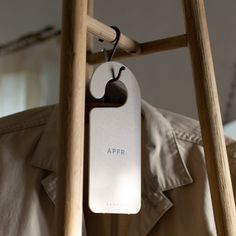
[[115, 41]]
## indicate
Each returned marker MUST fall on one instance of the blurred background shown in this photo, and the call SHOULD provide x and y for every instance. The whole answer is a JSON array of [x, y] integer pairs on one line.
[[30, 77]]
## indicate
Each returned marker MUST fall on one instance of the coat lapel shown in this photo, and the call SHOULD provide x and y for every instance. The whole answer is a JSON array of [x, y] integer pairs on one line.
[[162, 169]]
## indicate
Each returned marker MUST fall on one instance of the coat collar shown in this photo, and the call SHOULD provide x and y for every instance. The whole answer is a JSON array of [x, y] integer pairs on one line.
[[163, 167]]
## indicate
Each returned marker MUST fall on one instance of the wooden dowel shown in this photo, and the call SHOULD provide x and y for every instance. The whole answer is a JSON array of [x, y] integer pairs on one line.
[[90, 41], [146, 48], [210, 118], [72, 102], [108, 34]]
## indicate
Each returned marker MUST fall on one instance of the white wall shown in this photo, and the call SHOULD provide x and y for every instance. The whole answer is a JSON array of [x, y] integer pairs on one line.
[[165, 78]]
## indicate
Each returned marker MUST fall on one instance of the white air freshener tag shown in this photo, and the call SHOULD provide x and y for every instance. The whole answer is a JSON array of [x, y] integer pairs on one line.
[[115, 146]]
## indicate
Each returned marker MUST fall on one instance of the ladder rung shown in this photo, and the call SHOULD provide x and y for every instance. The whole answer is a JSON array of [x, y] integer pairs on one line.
[[146, 48]]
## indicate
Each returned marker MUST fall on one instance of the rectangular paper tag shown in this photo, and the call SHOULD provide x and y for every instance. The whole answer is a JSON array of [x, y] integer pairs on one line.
[[115, 154]]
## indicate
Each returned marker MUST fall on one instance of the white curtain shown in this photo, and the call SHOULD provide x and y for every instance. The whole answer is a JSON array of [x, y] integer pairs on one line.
[[29, 78]]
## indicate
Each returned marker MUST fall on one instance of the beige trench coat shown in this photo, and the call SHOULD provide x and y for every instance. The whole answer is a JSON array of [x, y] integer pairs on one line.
[[175, 192]]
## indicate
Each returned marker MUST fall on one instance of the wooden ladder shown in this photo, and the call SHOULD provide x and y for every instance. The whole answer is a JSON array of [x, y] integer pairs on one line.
[[76, 53]]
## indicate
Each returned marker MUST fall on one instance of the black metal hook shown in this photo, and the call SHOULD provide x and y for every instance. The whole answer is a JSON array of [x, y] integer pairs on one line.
[[115, 78], [116, 41]]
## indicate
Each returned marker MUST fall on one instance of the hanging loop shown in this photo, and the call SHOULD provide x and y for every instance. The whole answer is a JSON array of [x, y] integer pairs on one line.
[[115, 78], [116, 41]]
